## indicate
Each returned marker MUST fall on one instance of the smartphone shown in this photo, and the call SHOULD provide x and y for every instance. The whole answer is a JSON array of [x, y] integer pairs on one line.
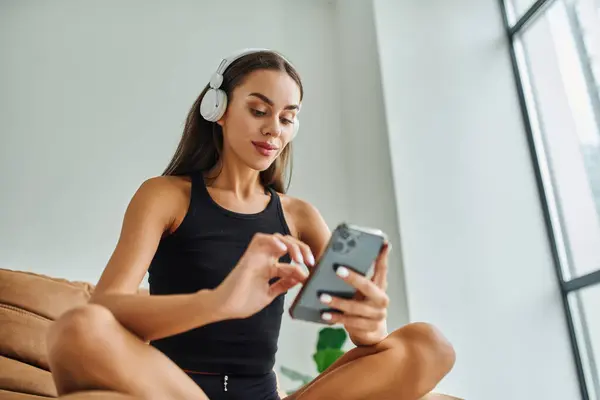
[[350, 246]]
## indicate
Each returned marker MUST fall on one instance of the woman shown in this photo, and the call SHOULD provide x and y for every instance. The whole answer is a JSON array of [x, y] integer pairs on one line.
[[217, 234]]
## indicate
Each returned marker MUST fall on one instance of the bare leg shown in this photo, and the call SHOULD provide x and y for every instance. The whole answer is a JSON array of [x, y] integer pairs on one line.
[[407, 365], [89, 349]]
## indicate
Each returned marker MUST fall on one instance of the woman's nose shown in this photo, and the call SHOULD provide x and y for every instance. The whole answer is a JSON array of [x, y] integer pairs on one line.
[[274, 128]]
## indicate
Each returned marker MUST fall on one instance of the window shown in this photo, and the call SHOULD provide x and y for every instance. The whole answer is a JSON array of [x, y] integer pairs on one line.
[[555, 48], [520, 7]]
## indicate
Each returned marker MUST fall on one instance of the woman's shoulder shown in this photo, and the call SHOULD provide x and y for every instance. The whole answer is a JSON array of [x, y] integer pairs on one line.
[[169, 186], [297, 207], [164, 197], [307, 221]]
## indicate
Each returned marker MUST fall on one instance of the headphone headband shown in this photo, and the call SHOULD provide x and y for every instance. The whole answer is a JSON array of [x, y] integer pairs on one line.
[[227, 61], [217, 78]]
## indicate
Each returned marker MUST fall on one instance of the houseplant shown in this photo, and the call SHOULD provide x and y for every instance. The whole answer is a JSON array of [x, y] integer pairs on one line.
[[328, 350]]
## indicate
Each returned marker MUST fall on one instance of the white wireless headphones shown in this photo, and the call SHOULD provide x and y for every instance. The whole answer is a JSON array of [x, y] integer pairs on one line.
[[214, 102]]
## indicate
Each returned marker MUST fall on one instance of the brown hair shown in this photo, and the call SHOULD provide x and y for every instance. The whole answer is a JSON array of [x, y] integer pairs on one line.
[[201, 144]]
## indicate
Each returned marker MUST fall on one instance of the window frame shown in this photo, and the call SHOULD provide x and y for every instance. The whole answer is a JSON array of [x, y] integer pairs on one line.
[[545, 188]]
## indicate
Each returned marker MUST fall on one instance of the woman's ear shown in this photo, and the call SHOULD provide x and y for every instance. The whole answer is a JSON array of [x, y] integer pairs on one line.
[[221, 120]]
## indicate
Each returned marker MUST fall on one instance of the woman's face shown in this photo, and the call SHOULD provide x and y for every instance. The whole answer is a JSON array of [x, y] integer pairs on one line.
[[260, 117]]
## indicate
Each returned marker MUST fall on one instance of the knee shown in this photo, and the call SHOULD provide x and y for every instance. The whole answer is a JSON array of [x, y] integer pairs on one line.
[[428, 342], [78, 330]]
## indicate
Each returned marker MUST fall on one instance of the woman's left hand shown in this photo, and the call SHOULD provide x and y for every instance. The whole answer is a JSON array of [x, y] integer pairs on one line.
[[364, 316]]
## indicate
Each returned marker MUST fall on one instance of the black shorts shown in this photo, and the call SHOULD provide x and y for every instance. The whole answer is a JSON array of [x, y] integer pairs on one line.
[[238, 387]]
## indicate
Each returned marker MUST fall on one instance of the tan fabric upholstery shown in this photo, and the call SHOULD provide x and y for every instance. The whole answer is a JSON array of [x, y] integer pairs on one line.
[[10, 395], [28, 305], [96, 395], [20, 377]]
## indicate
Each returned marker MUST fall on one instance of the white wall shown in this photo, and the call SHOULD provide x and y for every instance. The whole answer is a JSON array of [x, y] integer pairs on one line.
[[92, 101], [365, 170], [475, 252], [368, 154]]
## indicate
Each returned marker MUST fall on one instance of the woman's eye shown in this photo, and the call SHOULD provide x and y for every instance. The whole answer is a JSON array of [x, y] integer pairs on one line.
[[258, 113]]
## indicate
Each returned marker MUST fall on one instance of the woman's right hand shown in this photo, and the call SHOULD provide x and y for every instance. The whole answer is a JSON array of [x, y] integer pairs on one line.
[[246, 290]]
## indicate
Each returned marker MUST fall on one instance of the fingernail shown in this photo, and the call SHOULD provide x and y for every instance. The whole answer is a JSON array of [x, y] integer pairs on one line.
[[342, 272], [311, 259], [281, 245], [325, 298], [299, 259], [326, 316]]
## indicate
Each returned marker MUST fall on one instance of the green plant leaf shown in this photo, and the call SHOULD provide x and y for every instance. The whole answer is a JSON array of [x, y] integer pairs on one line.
[[295, 376], [331, 338], [324, 358]]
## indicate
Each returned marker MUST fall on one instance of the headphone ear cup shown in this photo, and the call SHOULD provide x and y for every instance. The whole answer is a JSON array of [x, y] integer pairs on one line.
[[213, 105], [296, 127]]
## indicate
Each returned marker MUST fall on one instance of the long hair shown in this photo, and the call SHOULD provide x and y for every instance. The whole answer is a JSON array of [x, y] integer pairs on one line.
[[201, 144]]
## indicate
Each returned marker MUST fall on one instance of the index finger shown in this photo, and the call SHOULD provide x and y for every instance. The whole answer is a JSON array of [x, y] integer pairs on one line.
[[289, 271], [381, 267], [363, 285], [273, 244]]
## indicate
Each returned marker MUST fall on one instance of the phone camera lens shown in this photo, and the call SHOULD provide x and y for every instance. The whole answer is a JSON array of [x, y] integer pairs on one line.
[[352, 243], [344, 234], [338, 246]]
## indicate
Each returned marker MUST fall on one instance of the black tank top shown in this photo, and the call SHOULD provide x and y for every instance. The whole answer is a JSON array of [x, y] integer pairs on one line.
[[199, 255]]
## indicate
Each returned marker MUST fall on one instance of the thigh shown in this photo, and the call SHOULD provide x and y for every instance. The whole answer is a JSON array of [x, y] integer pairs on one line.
[[89, 349], [347, 358], [408, 364]]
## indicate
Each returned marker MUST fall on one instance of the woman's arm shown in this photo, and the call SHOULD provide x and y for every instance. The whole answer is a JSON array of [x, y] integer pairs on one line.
[[149, 215], [311, 227]]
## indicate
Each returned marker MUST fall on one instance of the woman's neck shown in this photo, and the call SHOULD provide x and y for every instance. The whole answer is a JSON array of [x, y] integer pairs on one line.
[[243, 182]]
